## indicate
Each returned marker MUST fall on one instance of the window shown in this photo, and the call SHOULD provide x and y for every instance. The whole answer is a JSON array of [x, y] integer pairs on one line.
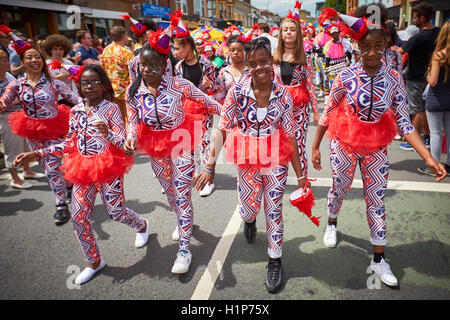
[[198, 5], [211, 9], [181, 4]]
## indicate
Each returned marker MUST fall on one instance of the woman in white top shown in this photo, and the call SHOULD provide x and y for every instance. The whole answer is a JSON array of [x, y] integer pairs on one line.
[[57, 47]]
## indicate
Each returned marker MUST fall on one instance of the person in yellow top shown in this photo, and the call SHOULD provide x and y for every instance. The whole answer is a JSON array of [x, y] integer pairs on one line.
[[115, 59]]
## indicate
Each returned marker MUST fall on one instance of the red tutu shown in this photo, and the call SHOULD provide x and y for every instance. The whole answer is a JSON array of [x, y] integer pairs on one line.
[[170, 143], [84, 170], [357, 136], [40, 129], [267, 152], [300, 95]]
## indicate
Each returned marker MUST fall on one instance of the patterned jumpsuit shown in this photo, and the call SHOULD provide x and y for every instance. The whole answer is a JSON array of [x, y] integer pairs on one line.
[[41, 103], [370, 98], [90, 142], [302, 76], [166, 112], [252, 183], [207, 124]]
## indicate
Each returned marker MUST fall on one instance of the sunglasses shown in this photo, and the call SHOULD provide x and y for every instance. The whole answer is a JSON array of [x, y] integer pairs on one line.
[[86, 83]]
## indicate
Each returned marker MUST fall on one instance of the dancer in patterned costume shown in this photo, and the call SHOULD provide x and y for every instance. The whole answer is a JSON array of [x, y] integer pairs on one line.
[[95, 162], [157, 111], [42, 121], [367, 104], [325, 20], [200, 71], [236, 71], [292, 71], [257, 118]]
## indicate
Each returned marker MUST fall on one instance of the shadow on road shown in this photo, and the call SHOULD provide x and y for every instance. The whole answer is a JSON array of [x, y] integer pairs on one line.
[[158, 260]]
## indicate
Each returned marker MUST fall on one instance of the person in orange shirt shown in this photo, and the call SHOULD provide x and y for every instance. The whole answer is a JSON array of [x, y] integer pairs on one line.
[[115, 59]]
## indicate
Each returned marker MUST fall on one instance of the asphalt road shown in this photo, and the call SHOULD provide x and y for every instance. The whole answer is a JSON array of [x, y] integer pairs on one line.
[[39, 260]]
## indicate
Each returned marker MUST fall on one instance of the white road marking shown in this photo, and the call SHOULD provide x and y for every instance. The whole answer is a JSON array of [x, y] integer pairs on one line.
[[214, 268], [392, 185]]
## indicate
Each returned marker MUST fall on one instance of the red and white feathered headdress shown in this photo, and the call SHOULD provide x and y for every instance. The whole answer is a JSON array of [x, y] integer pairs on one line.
[[19, 45], [160, 40], [178, 28], [356, 28], [295, 14], [248, 36], [136, 27]]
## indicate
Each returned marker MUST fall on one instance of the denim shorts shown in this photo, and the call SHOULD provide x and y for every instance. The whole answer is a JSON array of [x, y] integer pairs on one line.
[[414, 91]]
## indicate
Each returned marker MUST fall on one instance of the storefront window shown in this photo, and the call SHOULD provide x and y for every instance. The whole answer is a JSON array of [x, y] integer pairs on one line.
[[41, 23], [100, 28]]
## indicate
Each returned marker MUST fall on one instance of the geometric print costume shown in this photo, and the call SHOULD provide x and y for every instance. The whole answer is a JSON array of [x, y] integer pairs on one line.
[[166, 111], [89, 143], [239, 113], [39, 103], [369, 99]]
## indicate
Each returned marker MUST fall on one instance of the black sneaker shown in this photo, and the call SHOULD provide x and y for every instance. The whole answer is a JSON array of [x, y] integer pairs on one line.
[[274, 280], [61, 216], [250, 231]]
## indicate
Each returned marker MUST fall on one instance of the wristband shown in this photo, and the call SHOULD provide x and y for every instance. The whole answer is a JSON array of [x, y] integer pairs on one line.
[[209, 171]]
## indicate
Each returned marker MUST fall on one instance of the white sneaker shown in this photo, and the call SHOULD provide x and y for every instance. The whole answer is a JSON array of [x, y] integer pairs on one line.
[[142, 237], [88, 273], [175, 235], [207, 190], [182, 263], [24, 185], [329, 238], [384, 271], [37, 175]]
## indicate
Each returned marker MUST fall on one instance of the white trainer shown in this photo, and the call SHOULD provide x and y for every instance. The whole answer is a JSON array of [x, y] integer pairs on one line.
[[182, 263], [175, 235], [207, 190], [329, 238], [384, 271], [142, 237], [88, 273]]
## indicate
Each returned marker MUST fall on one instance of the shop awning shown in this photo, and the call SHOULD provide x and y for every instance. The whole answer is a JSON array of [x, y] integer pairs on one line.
[[106, 14], [44, 5]]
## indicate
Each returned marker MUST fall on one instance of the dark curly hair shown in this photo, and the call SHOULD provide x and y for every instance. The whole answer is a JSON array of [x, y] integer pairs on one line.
[[57, 40]]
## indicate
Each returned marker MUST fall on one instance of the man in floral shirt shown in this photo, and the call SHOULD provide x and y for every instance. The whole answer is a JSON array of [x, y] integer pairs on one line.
[[115, 59]]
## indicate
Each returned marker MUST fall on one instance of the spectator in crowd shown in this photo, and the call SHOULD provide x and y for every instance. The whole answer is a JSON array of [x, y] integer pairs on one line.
[[264, 32], [141, 40], [437, 101], [17, 68], [115, 59], [97, 44], [57, 47], [88, 54], [5, 41], [13, 145], [419, 47]]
